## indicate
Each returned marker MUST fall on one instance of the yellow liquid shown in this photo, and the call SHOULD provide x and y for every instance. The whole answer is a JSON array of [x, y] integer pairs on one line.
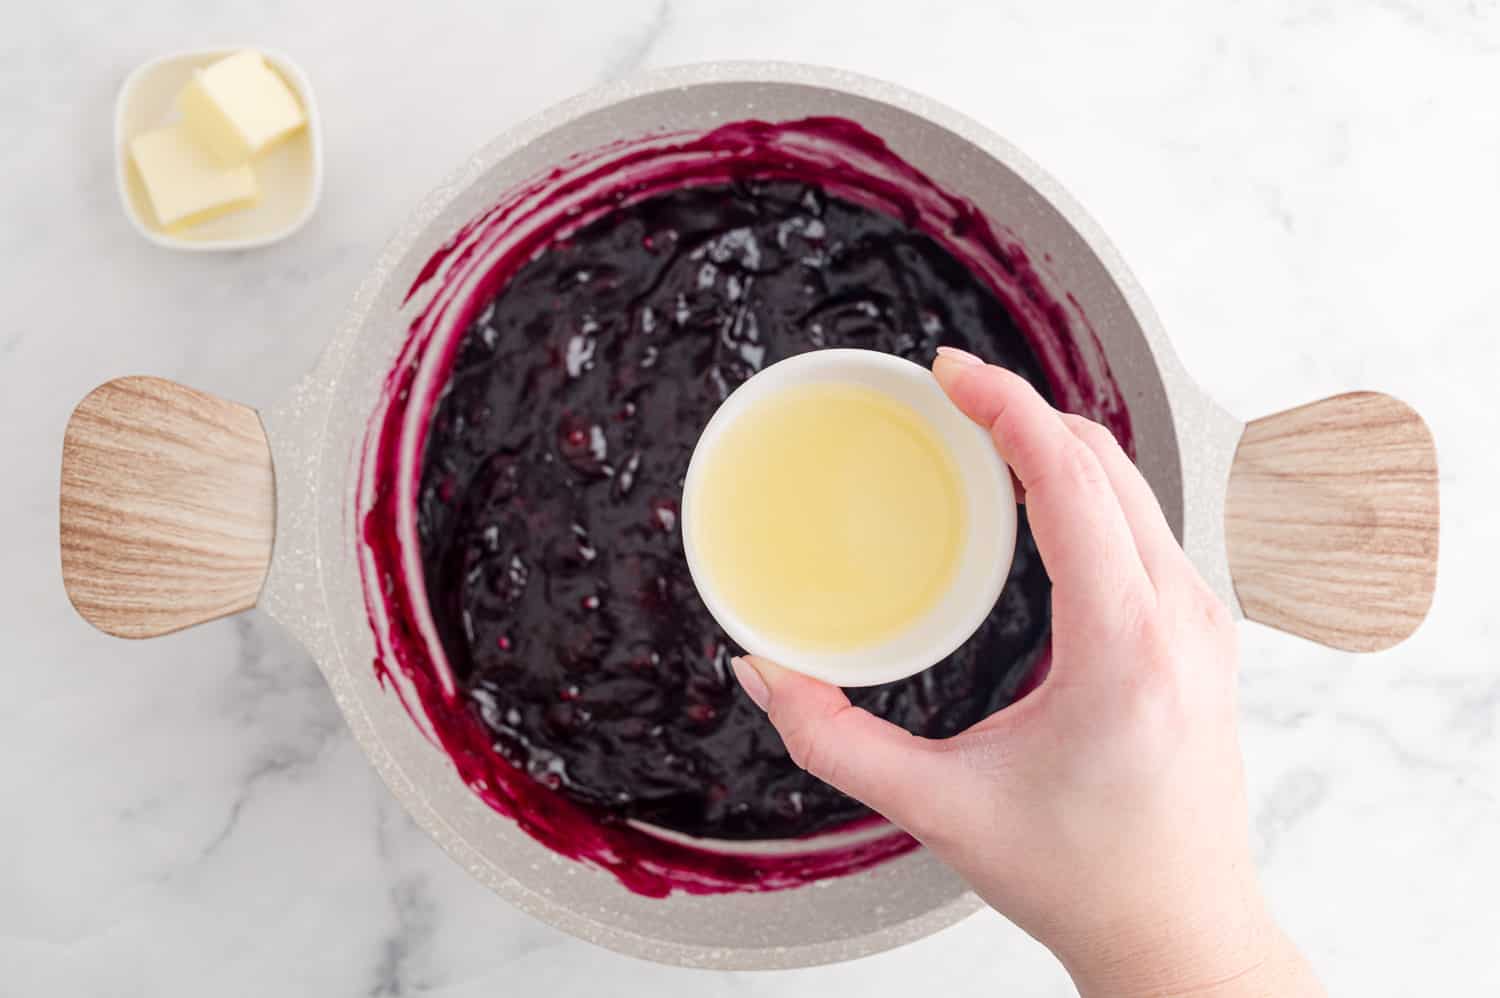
[[829, 516]]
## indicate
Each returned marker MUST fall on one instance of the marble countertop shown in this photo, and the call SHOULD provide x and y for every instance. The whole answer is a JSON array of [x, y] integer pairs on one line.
[[1309, 191]]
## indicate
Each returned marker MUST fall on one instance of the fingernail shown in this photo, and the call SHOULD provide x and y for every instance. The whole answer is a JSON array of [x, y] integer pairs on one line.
[[754, 684], [961, 356]]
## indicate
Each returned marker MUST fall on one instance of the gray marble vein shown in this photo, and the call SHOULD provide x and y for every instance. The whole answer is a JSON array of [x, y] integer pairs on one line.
[[411, 907], [634, 55]]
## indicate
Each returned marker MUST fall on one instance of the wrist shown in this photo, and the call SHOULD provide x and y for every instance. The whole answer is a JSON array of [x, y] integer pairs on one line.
[[1278, 972], [1232, 949]]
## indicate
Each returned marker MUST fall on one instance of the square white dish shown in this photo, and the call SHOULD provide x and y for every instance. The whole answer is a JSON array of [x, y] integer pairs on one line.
[[290, 174]]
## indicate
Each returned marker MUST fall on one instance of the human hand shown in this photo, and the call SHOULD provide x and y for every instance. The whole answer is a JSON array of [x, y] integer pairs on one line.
[[1105, 812]]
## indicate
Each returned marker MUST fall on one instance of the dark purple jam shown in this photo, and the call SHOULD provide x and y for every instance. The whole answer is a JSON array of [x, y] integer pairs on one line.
[[548, 505]]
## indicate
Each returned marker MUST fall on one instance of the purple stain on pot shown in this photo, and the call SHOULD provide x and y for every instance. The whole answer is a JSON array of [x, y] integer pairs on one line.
[[522, 557]]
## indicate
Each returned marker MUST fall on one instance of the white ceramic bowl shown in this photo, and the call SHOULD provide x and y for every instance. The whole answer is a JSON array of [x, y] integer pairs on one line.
[[290, 174], [990, 507]]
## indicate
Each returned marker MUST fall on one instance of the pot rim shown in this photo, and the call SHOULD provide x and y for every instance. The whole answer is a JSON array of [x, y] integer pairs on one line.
[[299, 433]]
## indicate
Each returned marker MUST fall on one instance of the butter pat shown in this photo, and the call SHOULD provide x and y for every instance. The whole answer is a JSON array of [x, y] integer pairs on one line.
[[238, 107], [184, 183]]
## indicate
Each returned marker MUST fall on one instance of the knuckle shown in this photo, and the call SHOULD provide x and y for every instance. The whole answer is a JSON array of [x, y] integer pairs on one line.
[[821, 761], [1016, 447], [1070, 466], [1201, 614], [1215, 614], [811, 749], [1094, 436], [799, 743], [1158, 649], [1138, 617], [1155, 702], [1079, 467], [1152, 640]]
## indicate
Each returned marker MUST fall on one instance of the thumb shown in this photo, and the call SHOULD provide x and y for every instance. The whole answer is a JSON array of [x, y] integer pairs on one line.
[[869, 758]]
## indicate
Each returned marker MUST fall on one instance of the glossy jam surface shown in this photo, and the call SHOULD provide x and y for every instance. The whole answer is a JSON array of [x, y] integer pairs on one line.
[[548, 511], [828, 517]]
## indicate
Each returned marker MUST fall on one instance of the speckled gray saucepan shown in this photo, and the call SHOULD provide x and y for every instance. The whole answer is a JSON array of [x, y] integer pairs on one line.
[[1321, 520]]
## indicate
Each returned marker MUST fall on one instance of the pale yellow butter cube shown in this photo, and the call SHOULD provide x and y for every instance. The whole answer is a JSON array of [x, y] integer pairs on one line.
[[185, 184], [239, 106]]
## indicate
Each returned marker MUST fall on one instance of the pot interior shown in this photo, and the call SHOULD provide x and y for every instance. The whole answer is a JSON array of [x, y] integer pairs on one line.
[[897, 900]]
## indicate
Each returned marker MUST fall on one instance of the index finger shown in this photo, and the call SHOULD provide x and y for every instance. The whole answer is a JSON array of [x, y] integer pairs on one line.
[[1080, 529]]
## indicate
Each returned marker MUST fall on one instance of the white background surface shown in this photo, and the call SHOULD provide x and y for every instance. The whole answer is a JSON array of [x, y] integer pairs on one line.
[[1310, 191]]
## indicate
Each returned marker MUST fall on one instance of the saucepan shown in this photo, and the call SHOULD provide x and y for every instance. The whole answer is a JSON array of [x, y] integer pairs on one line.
[[179, 507]]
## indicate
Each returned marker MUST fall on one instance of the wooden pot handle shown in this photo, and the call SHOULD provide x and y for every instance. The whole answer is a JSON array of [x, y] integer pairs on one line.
[[168, 507], [1332, 521]]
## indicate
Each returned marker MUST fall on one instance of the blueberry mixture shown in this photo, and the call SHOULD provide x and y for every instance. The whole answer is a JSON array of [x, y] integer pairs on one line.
[[548, 510]]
